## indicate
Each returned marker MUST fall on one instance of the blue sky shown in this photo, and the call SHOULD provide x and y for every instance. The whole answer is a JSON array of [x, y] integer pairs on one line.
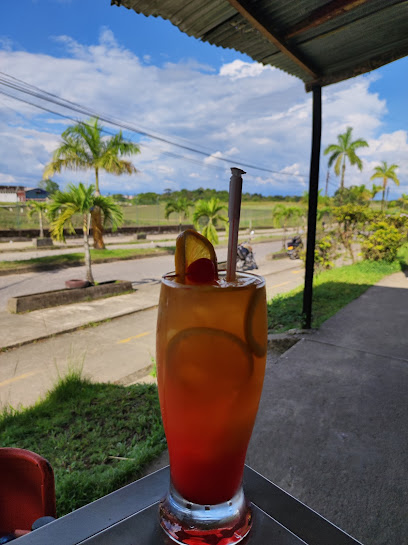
[[144, 71]]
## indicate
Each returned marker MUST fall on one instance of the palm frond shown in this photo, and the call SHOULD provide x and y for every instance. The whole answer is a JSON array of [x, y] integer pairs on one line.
[[333, 148], [112, 212], [337, 164], [61, 221], [354, 159], [120, 146], [333, 157], [87, 135], [359, 143], [113, 164], [210, 232]]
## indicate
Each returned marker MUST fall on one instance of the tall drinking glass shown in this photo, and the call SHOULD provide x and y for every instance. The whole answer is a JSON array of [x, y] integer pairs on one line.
[[211, 352]]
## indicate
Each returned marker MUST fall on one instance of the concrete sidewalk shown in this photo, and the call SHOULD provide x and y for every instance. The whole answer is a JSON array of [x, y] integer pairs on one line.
[[332, 424], [19, 329]]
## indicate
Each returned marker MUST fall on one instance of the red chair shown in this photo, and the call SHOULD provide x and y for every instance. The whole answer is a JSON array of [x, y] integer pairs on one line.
[[27, 489]]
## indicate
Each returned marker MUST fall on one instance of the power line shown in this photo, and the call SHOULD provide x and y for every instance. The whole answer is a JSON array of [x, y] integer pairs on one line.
[[35, 92]]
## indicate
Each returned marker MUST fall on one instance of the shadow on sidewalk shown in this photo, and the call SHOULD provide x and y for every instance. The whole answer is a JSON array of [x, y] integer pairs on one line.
[[331, 427]]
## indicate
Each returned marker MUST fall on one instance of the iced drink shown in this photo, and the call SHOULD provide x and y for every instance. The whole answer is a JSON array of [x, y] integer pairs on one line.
[[211, 351]]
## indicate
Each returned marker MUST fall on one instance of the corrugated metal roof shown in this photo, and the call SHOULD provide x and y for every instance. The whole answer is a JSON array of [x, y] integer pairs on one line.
[[318, 41]]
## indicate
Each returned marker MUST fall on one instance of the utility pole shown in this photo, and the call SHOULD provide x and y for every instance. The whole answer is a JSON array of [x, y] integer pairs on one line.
[[327, 183]]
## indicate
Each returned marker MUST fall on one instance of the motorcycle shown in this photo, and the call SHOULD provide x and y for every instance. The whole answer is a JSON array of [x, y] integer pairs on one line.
[[295, 245], [245, 257]]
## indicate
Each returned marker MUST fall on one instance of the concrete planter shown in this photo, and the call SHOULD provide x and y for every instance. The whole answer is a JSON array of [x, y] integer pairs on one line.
[[36, 301], [42, 242]]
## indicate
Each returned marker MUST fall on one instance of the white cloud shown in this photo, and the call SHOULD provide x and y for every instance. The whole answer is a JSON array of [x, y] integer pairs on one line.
[[239, 69], [6, 43], [246, 111]]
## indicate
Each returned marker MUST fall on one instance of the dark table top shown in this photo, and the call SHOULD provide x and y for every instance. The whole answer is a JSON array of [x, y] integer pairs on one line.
[[129, 516]]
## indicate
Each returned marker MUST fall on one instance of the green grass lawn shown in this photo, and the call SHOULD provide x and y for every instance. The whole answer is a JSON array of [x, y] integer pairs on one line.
[[97, 437], [332, 290], [97, 256]]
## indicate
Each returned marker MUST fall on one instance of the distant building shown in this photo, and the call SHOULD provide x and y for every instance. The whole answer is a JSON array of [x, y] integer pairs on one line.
[[35, 194], [18, 193], [12, 193]]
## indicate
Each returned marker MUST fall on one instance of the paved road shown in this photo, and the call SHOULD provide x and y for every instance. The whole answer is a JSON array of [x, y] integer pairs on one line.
[[22, 251], [117, 351], [138, 271]]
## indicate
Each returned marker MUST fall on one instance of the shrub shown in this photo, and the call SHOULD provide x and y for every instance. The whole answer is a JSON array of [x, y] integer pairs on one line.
[[383, 242], [351, 220], [326, 251]]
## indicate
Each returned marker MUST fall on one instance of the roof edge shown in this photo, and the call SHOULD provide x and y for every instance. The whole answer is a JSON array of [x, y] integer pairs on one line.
[[368, 66]]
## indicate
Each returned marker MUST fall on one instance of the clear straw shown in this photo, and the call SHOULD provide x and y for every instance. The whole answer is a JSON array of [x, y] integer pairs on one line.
[[234, 211]]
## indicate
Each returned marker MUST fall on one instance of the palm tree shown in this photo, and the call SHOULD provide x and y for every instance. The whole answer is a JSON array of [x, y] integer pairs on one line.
[[386, 173], [345, 149], [180, 206], [374, 190], [283, 215], [40, 208], [84, 148], [210, 213], [81, 200]]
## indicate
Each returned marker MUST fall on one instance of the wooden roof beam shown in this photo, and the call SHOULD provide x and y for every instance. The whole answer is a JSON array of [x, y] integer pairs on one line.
[[271, 37], [330, 11]]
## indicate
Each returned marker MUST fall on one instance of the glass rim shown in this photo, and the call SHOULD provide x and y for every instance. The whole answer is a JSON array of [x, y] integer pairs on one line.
[[169, 280]]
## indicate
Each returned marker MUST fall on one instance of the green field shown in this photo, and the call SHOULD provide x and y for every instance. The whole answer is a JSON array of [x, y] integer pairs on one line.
[[253, 215]]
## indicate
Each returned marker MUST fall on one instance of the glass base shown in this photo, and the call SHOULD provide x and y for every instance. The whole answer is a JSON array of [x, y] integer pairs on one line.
[[191, 523]]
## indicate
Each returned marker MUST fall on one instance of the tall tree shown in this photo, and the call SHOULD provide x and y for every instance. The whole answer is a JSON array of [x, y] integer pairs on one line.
[[345, 149], [81, 200], [84, 148], [207, 215], [385, 173], [49, 186], [38, 208], [178, 206]]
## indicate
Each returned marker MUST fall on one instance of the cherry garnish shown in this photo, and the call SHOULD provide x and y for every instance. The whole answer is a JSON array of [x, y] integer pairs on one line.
[[201, 271]]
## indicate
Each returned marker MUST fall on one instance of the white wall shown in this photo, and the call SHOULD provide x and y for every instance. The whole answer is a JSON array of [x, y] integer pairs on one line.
[[8, 197]]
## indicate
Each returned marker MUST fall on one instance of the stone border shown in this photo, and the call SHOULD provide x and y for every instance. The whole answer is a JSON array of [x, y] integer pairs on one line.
[[47, 299]]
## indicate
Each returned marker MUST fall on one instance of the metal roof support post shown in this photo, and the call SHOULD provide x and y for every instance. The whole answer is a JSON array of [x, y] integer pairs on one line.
[[313, 197]]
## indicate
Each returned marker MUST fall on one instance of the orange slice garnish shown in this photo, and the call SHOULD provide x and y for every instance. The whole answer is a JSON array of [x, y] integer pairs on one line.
[[209, 361], [191, 246], [256, 323]]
